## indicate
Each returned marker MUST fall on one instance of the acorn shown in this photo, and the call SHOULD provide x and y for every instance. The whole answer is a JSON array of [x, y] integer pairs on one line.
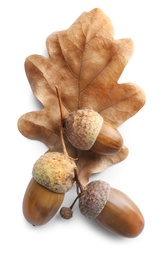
[[40, 204], [111, 208], [87, 130], [55, 171], [53, 175]]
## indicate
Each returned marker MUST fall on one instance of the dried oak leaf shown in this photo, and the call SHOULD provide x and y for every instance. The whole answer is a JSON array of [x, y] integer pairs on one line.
[[85, 62]]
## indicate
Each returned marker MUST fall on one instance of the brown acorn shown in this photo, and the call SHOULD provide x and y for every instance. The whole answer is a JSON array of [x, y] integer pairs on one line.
[[111, 208], [87, 130], [53, 175], [40, 204]]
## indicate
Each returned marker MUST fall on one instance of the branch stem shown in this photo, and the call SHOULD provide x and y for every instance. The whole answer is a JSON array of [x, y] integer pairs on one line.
[[61, 125], [79, 185]]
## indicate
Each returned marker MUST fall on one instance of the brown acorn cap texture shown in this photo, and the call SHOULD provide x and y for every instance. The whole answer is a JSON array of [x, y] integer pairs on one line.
[[94, 198], [82, 128], [54, 171]]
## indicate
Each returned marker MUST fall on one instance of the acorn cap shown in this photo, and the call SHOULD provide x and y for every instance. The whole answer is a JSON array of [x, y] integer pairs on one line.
[[54, 171], [94, 198], [82, 128], [66, 213]]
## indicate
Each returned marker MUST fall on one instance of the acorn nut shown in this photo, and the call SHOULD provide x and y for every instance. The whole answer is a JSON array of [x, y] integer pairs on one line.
[[54, 171], [40, 204], [111, 208], [87, 130]]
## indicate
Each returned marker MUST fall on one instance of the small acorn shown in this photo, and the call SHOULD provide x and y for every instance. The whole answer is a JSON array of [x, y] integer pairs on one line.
[[111, 208], [55, 171], [87, 130], [40, 204]]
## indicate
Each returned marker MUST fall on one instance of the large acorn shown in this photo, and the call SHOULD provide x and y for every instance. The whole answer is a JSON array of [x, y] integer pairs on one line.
[[111, 208], [87, 130]]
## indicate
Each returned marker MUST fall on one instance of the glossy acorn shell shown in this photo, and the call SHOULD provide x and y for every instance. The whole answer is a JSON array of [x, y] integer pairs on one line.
[[120, 215], [40, 204], [108, 141]]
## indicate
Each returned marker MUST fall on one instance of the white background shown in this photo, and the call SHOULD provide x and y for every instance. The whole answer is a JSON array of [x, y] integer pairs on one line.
[[24, 26]]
